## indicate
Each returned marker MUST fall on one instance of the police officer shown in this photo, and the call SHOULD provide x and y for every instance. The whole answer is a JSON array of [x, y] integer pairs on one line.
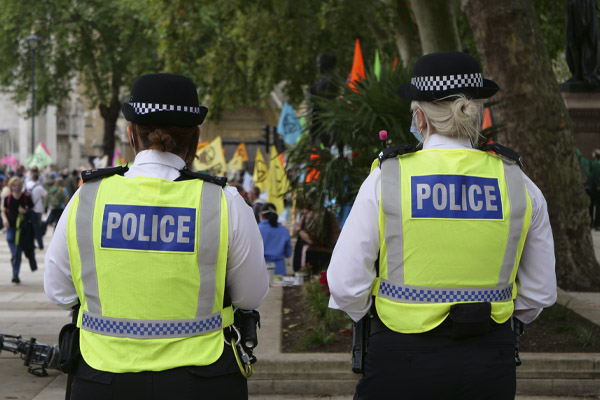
[[157, 258], [451, 242]]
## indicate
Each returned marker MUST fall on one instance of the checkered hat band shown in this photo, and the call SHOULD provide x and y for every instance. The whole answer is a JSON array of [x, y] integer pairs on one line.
[[150, 329], [147, 108], [447, 82], [419, 294]]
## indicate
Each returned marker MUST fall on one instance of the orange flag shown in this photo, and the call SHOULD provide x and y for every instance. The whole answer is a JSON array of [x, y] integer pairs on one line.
[[358, 67], [241, 151], [487, 122]]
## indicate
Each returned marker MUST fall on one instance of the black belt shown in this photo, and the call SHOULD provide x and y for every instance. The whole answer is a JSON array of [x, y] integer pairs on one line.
[[376, 326]]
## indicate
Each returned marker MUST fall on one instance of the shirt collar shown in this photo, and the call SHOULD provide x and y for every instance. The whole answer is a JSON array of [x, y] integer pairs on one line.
[[159, 157], [437, 141]]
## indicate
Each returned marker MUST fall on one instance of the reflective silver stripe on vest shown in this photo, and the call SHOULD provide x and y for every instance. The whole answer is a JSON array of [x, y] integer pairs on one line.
[[518, 206], [149, 328], [391, 203], [208, 251], [423, 294], [395, 289], [83, 224]]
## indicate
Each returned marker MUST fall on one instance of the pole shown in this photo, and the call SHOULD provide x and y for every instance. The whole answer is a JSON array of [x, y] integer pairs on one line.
[[32, 100]]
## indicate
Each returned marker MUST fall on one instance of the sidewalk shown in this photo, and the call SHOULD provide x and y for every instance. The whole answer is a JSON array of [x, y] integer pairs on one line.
[[25, 310]]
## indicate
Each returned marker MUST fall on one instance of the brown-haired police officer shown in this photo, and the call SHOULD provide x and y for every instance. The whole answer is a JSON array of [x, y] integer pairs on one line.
[[157, 257]]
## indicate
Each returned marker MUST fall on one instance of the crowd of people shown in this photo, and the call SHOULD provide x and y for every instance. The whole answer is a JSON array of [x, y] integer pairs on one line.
[[30, 201]]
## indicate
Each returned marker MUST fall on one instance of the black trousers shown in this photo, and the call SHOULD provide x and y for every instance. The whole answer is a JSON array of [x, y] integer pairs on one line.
[[432, 365], [183, 383]]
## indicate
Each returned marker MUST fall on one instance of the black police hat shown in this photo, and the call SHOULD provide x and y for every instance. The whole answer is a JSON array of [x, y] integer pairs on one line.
[[164, 99], [439, 75]]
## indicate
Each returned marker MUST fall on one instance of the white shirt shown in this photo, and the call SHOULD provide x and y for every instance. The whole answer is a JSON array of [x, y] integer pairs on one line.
[[37, 196], [247, 280], [351, 271]]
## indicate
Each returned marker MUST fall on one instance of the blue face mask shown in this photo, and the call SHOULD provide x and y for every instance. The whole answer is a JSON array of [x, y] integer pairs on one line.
[[415, 131]]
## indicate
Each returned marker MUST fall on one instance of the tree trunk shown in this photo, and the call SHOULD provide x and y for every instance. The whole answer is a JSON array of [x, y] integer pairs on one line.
[[437, 25], [110, 114], [537, 125], [406, 32]]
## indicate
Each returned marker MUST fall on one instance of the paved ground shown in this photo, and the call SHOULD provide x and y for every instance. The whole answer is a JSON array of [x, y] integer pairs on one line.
[[25, 310]]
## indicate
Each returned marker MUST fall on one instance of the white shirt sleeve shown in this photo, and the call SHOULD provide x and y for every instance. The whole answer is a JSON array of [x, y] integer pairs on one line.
[[58, 282], [536, 276], [247, 278], [352, 268]]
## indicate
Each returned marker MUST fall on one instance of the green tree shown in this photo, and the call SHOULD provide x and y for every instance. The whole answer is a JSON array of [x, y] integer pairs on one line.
[[104, 44], [238, 51]]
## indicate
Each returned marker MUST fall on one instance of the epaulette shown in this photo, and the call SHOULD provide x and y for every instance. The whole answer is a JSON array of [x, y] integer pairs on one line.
[[186, 174], [505, 152], [392, 152], [90, 174]]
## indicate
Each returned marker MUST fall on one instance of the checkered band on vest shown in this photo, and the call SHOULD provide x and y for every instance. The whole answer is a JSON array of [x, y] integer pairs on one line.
[[447, 82], [150, 329], [147, 108], [406, 294]]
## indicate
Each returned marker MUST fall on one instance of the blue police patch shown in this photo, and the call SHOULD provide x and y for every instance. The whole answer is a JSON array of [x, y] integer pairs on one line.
[[455, 196], [149, 228]]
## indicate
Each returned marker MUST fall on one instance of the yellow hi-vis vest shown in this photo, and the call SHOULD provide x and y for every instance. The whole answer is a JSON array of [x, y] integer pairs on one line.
[[452, 224], [148, 259]]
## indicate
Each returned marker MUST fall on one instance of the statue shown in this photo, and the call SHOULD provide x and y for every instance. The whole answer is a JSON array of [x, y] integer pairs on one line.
[[583, 55], [326, 88]]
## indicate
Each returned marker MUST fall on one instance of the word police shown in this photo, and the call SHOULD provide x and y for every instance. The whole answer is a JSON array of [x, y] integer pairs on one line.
[[149, 228], [455, 196]]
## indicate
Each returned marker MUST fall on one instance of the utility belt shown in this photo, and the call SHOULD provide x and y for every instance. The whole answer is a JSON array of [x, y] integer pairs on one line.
[[241, 337], [464, 321]]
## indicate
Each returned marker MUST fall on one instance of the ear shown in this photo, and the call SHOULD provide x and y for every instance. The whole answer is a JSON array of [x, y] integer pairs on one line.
[[421, 119], [130, 136]]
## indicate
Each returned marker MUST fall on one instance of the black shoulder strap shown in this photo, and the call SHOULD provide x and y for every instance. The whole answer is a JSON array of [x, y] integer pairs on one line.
[[102, 173], [186, 174], [393, 152], [505, 152]]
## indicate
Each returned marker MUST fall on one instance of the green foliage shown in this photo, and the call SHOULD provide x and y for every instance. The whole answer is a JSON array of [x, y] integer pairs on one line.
[[238, 51], [326, 323], [105, 44], [353, 121], [585, 336], [557, 312]]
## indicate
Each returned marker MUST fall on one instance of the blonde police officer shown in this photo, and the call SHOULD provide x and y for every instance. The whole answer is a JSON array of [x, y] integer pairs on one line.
[[157, 258], [462, 241]]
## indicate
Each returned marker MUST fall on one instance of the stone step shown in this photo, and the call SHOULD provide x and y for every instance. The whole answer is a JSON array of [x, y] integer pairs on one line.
[[542, 374]]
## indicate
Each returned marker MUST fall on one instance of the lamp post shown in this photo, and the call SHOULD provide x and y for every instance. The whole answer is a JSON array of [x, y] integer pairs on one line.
[[33, 43]]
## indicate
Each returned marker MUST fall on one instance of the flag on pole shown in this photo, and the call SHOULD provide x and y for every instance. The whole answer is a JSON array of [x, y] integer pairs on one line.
[[377, 68], [278, 183], [241, 150], [261, 173], [358, 67], [209, 158], [289, 125], [40, 157], [236, 163], [485, 128]]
